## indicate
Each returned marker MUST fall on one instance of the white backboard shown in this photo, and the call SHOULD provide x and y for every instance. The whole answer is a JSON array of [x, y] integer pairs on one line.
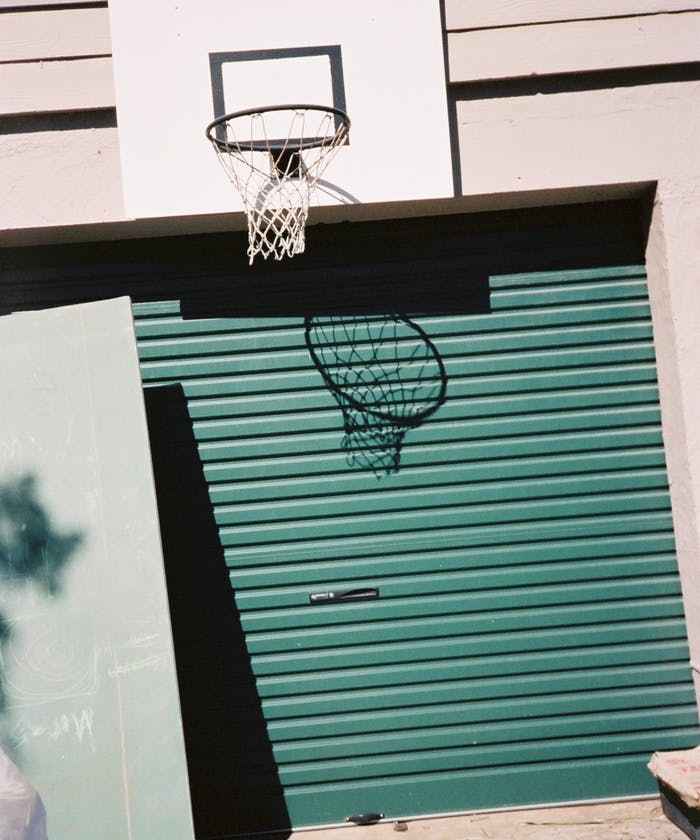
[[180, 63]]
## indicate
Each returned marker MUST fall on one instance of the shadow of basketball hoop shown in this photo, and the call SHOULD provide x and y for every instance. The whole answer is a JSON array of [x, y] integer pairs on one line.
[[336, 193], [386, 375]]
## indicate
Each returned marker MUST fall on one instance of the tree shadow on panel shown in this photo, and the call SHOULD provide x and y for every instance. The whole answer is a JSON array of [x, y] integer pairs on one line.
[[234, 785], [32, 551]]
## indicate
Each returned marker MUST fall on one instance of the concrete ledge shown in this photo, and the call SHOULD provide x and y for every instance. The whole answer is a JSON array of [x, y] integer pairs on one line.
[[641, 819]]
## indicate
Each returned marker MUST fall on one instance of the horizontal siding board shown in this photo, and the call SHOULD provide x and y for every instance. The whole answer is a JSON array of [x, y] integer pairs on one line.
[[465, 14], [55, 33], [573, 47], [73, 85], [19, 4]]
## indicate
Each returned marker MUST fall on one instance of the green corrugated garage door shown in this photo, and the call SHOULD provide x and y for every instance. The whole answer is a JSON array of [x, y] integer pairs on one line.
[[528, 643]]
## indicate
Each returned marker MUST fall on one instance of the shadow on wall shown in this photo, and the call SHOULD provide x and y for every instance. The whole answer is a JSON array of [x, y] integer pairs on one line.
[[234, 785], [31, 549]]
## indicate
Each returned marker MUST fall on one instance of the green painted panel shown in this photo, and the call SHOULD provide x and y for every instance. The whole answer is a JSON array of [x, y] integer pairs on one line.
[[528, 642]]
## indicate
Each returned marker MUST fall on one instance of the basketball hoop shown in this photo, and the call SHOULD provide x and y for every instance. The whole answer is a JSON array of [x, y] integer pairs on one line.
[[274, 157]]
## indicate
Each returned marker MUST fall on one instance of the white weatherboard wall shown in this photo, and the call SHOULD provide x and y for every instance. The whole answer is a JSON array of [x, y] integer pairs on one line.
[[58, 165], [90, 709], [393, 77]]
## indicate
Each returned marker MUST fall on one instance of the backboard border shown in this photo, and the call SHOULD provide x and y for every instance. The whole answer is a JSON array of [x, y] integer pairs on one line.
[[333, 51]]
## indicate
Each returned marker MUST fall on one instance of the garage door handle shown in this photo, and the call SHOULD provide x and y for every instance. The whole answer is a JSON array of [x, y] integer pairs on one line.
[[339, 596], [364, 819]]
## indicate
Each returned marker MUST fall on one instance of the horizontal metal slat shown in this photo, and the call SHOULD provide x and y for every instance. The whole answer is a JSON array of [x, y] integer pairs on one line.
[[322, 546], [416, 575], [564, 294], [241, 397], [223, 461], [475, 735], [544, 337], [230, 486], [547, 512], [179, 363], [545, 317], [160, 338], [569, 277], [490, 785], [473, 620], [414, 604], [271, 436], [443, 496], [462, 757], [372, 705], [506, 643], [366, 677], [467, 398]]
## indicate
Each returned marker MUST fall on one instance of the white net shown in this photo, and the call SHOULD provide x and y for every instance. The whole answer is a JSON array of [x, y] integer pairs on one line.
[[274, 157]]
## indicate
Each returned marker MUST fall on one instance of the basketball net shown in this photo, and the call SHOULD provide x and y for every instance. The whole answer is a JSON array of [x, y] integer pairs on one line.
[[274, 158]]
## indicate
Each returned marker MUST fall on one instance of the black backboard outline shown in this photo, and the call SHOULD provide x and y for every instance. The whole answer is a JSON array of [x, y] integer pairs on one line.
[[333, 51]]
